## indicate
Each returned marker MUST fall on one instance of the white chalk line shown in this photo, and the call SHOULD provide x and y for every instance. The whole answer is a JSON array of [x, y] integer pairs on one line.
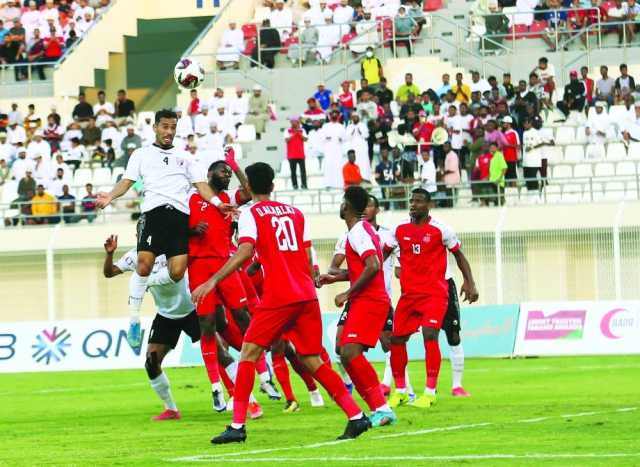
[[229, 456], [463, 457], [86, 389]]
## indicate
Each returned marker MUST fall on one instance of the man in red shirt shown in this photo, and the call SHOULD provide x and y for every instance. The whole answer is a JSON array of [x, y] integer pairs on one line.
[[423, 244], [588, 85], [346, 100], [279, 234], [368, 303], [510, 150], [295, 137]]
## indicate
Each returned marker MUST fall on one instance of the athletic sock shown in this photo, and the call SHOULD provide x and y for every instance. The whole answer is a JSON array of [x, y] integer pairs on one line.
[[346, 379], [160, 385], [366, 381], [282, 375], [244, 385], [433, 360], [226, 380], [324, 355], [456, 355], [387, 375], [263, 369], [232, 370], [331, 381], [209, 349], [299, 368], [399, 361], [408, 381], [162, 277], [137, 288]]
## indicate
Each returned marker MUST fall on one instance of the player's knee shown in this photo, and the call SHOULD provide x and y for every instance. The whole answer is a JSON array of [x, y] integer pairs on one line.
[[152, 365], [221, 319], [430, 334], [349, 352], [453, 338], [207, 325], [242, 317], [250, 352], [144, 268]]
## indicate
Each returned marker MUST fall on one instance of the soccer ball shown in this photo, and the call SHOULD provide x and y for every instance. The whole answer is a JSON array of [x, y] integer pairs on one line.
[[188, 73]]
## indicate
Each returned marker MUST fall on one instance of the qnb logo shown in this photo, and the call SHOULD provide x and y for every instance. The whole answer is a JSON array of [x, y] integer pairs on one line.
[[201, 3], [51, 345]]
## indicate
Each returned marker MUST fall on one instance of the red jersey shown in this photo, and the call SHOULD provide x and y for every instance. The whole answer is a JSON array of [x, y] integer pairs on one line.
[[511, 154], [346, 100], [280, 235], [362, 242], [483, 162], [422, 252], [216, 240]]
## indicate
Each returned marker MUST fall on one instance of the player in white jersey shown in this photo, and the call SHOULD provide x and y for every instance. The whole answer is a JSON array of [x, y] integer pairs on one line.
[[175, 314], [339, 255], [168, 174]]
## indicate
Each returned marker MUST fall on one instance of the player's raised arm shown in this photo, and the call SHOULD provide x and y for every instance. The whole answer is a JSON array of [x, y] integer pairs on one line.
[[468, 290], [230, 159], [207, 193], [104, 199], [108, 268]]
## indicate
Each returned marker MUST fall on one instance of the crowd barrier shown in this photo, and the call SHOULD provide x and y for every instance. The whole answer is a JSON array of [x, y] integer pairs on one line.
[[529, 329]]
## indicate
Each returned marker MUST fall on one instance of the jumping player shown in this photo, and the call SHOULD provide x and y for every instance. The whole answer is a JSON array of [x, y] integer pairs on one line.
[[175, 314], [368, 303], [163, 228], [423, 244], [279, 234]]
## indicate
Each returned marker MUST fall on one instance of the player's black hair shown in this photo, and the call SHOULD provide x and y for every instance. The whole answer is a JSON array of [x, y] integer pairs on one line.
[[376, 203], [357, 197], [216, 164], [260, 176], [165, 113], [423, 192]]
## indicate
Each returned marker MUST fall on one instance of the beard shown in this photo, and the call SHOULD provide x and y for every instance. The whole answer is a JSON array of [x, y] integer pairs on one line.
[[219, 184]]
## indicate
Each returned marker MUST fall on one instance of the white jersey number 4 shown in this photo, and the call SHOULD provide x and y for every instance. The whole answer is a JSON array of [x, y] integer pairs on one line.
[[285, 233]]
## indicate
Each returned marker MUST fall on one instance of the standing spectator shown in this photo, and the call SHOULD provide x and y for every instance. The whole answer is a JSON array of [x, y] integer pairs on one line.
[[385, 174], [461, 91], [295, 137], [343, 15], [88, 204], [409, 87], [307, 43], [556, 26], [346, 100], [383, 93], [44, 207], [124, 107], [371, 68], [624, 84], [532, 157], [35, 54], [405, 27], [67, 206], [15, 46], [83, 111], [428, 175], [497, 174], [281, 19], [239, 107], [103, 110], [357, 135], [323, 96], [450, 173], [328, 39], [27, 182], [445, 87], [351, 171], [130, 138], [334, 137], [574, 95], [258, 111], [230, 48], [589, 85], [605, 86], [269, 46]]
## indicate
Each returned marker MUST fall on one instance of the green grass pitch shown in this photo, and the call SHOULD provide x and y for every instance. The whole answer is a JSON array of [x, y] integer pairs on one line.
[[551, 411]]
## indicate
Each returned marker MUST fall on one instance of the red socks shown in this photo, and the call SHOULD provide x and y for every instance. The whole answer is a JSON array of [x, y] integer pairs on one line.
[[433, 360], [282, 375], [209, 349], [226, 380], [331, 381], [325, 357], [366, 381], [299, 368], [261, 364], [244, 385], [399, 361]]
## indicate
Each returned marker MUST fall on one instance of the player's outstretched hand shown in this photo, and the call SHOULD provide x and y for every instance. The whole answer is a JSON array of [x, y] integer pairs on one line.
[[104, 199], [469, 293], [341, 299], [325, 279], [198, 295], [230, 158], [111, 244]]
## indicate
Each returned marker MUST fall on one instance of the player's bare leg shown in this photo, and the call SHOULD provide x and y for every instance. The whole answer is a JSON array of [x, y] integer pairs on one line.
[[209, 348], [160, 382], [314, 393], [367, 383], [281, 371], [343, 372]]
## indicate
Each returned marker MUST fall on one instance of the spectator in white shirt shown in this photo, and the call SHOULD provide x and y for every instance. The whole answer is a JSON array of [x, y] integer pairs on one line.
[[598, 127], [111, 132], [631, 127], [39, 146], [50, 11], [185, 125], [55, 185], [328, 38], [532, 143], [31, 18], [343, 15], [479, 84], [239, 107], [77, 154], [281, 18], [224, 122], [82, 10], [202, 122], [231, 47], [7, 151], [217, 100], [59, 164], [15, 116], [21, 165], [428, 173], [454, 123], [16, 135], [102, 109], [145, 130], [83, 26]]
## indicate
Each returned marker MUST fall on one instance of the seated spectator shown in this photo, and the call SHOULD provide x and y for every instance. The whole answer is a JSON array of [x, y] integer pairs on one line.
[[39, 146], [269, 46], [323, 96], [343, 15], [497, 27], [410, 104], [22, 165], [31, 18], [103, 110], [258, 111], [44, 207], [130, 138], [124, 107], [82, 111], [32, 121], [77, 154], [83, 25], [281, 19], [67, 205], [630, 129], [23, 205], [605, 86], [366, 36], [556, 26], [405, 28], [574, 95], [106, 153], [91, 135], [14, 47], [598, 127], [27, 182], [624, 84], [55, 186], [351, 171], [53, 46], [306, 44], [89, 204], [4, 170], [231, 47], [329, 37]]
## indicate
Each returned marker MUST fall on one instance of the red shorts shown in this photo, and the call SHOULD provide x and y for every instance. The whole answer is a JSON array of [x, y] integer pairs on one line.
[[423, 310], [302, 323], [364, 323], [229, 292], [252, 296]]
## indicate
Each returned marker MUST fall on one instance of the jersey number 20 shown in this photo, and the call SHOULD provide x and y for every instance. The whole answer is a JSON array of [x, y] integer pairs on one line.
[[285, 233]]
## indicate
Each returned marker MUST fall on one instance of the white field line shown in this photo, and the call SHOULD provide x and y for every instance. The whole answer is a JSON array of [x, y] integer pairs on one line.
[[526, 369], [359, 459], [229, 457], [73, 389]]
